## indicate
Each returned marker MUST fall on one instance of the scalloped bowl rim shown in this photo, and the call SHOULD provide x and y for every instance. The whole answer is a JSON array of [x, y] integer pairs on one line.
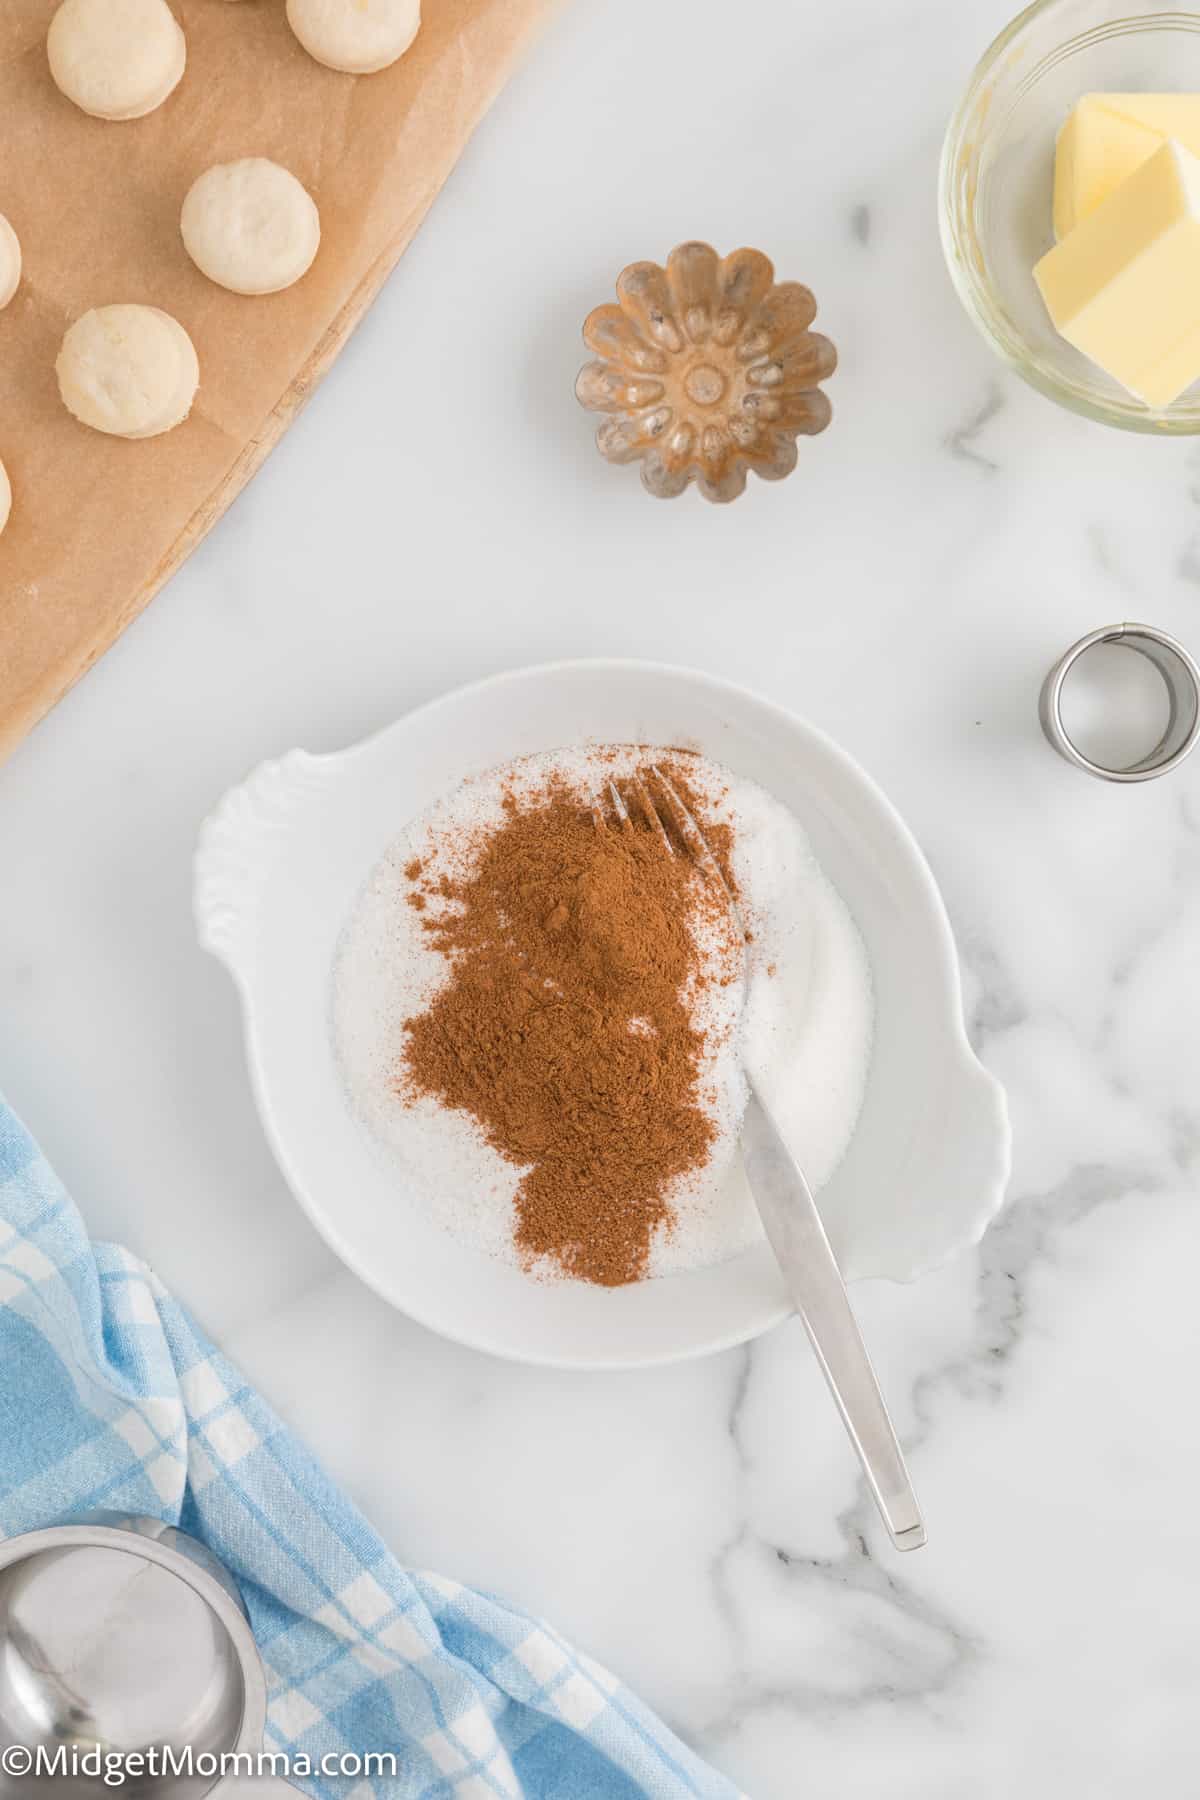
[[208, 911]]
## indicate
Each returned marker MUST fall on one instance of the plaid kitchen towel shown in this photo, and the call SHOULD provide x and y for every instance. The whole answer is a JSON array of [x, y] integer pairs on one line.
[[112, 1400]]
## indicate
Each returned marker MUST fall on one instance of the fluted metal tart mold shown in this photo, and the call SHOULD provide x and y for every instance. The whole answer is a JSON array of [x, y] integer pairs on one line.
[[706, 370]]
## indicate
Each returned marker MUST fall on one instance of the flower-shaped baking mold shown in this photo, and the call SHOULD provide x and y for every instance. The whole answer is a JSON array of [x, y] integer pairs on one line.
[[707, 369]]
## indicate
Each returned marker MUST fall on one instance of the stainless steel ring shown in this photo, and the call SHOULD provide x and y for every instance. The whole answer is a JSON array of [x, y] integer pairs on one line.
[[74, 1659], [1180, 676]]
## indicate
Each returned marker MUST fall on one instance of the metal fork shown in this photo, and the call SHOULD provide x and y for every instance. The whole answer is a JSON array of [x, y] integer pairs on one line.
[[793, 1225]]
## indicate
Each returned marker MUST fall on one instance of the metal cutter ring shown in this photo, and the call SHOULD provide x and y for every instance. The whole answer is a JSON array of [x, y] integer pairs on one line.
[[1180, 676]]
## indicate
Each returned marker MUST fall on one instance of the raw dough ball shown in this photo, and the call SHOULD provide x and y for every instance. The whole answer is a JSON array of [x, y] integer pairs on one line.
[[10, 261], [185, 389], [5, 497], [358, 36], [116, 59], [128, 370], [250, 226]]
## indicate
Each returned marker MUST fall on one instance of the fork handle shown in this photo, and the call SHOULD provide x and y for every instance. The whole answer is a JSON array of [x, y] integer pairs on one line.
[[797, 1236]]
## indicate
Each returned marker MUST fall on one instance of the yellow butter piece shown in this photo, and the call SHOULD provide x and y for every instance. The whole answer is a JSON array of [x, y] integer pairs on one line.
[[1124, 285], [1171, 115], [1106, 138], [1096, 150]]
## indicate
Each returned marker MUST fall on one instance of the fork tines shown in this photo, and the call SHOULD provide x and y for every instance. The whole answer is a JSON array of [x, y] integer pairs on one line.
[[694, 840], [640, 798]]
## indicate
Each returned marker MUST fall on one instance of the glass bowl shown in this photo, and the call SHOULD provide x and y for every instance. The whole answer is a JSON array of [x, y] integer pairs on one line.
[[997, 178]]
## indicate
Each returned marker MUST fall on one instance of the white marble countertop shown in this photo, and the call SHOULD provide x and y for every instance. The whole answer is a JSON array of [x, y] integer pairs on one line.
[[701, 1528]]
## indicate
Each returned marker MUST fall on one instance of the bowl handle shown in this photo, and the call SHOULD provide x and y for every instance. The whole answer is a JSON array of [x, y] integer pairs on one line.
[[240, 843]]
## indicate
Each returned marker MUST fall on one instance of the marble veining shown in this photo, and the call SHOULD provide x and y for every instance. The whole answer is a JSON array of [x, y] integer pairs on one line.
[[963, 441], [702, 1528]]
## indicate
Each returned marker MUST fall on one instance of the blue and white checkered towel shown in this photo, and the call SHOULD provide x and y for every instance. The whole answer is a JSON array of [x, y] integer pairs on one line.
[[111, 1399]]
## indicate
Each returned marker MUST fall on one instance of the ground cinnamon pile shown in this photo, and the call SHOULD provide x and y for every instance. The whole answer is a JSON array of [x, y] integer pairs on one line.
[[571, 1025]]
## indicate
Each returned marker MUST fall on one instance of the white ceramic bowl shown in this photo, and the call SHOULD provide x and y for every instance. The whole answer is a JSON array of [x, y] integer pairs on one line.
[[282, 860]]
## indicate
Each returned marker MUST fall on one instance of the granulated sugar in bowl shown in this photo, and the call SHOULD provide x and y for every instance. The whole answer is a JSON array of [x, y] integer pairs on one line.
[[544, 1020], [438, 1192]]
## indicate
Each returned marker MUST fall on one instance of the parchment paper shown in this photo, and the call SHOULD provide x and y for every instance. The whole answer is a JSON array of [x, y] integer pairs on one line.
[[98, 523]]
